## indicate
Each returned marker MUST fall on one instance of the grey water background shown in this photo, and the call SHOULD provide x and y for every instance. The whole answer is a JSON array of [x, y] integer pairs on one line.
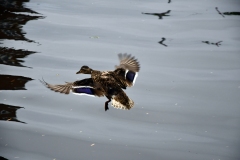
[[187, 95]]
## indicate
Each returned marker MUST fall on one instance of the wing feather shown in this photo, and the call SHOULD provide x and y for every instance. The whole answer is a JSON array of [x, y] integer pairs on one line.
[[62, 88], [128, 62], [121, 101], [128, 69], [82, 87]]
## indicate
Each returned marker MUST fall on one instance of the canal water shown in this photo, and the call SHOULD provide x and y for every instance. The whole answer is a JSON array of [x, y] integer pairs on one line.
[[187, 95]]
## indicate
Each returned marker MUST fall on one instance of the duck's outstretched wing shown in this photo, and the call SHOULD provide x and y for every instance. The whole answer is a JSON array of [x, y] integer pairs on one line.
[[82, 87], [128, 62], [62, 88], [121, 101], [128, 69]]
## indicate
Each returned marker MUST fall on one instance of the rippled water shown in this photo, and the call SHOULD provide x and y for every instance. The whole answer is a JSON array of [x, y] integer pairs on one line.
[[186, 95]]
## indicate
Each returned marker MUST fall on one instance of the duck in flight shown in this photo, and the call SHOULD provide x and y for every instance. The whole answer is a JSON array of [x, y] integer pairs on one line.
[[105, 83]]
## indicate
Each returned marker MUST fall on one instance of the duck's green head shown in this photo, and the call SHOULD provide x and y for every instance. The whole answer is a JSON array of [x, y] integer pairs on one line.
[[85, 70]]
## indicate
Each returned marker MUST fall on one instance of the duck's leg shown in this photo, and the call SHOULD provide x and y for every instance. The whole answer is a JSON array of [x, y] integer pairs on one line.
[[106, 103]]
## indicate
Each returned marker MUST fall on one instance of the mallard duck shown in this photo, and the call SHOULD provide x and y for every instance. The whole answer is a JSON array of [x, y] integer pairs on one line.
[[105, 83]]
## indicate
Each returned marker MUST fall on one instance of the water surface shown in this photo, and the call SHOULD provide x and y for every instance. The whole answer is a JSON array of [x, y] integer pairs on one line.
[[186, 95]]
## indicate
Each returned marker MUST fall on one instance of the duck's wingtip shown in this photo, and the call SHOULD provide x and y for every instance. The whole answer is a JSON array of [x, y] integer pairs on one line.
[[43, 81]]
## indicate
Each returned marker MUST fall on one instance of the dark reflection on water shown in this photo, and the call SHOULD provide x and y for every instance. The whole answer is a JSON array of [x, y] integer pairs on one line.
[[232, 13], [14, 6], [212, 43], [219, 12], [11, 26], [9, 56], [10, 82], [161, 42], [2, 158], [11, 23], [160, 15], [227, 13], [8, 113]]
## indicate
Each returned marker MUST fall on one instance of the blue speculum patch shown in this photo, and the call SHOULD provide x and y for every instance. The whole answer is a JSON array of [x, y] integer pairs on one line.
[[130, 76], [85, 90]]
